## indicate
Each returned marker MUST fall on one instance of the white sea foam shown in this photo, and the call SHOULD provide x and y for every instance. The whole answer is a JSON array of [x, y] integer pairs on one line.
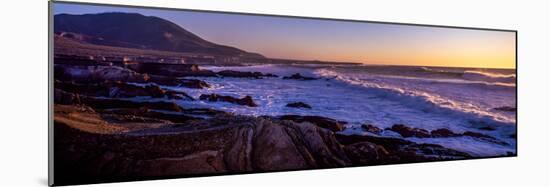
[[360, 96]]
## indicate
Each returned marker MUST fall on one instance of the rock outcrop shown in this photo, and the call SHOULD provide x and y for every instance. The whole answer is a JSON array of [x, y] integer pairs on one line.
[[224, 144], [506, 109], [94, 144], [371, 128], [240, 74], [298, 105], [406, 131], [247, 100], [119, 90], [298, 76], [94, 74], [323, 122], [170, 70]]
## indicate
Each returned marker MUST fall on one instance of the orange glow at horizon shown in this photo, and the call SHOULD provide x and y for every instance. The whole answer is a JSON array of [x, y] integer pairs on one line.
[[489, 52]]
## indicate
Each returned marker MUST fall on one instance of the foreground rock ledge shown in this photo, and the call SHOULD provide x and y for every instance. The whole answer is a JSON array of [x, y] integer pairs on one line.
[[95, 150]]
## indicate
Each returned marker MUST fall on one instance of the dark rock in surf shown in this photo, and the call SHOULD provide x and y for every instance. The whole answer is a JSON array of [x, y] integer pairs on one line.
[[148, 113], [506, 109], [298, 105], [94, 74], [487, 128], [323, 122], [193, 83], [169, 81], [119, 90], [101, 103], [171, 70], [371, 128], [239, 74], [397, 150], [443, 133], [484, 137], [247, 100], [477, 135], [406, 131], [298, 76]]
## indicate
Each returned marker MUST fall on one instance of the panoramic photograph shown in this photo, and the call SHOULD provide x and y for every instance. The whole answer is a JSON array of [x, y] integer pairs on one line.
[[144, 93]]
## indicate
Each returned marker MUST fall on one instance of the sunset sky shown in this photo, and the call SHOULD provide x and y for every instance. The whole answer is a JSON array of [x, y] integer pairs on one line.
[[311, 39]]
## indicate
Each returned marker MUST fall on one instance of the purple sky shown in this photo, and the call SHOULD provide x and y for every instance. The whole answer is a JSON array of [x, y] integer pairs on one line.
[[313, 39]]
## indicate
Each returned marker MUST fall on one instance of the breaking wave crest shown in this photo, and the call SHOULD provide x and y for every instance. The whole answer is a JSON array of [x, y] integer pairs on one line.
[[427, 102]]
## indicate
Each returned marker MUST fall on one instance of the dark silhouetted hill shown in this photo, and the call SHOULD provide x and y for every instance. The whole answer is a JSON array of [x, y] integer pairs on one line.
[[138, 31]]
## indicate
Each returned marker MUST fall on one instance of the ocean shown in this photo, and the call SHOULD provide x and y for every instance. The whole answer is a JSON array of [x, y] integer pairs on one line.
[[458, 99]]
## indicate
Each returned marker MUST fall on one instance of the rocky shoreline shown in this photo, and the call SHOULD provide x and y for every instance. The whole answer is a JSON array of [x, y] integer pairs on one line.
[[108, 145], [103, 134]]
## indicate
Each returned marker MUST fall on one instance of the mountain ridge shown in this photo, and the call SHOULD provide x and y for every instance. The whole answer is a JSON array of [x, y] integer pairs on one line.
[[135, 30]]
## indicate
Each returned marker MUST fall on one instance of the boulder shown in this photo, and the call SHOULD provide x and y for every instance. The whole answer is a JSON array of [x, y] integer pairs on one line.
[[247, 100], [298, 105]]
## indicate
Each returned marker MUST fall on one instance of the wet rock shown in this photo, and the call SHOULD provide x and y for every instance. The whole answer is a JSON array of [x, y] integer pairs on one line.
[[169, 81], [148, 113], [484, 137], [400, 150], [232, 144], [443, 133], [119, 90], [170, 70], [239, 74], [194, 83], [406, 131], [102, 103], [298, 76], [371, 128], [66, 98], [477, 135], [298, 105], [506, 109], [322, 122], [94, 74], [418, 152], [366, 153], [247, 100], [487, 128]]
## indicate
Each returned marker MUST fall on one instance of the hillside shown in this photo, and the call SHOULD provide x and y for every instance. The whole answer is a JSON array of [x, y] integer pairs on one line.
[[132, 30]]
